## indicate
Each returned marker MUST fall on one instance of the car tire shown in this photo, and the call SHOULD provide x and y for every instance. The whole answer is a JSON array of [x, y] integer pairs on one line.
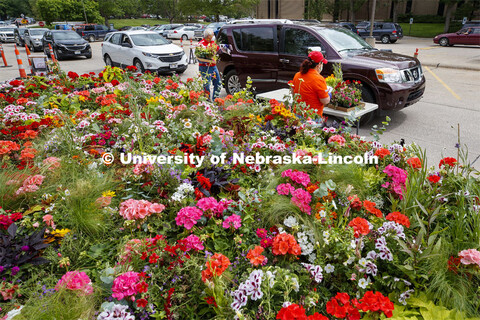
[[393, 41], [108, 60], [385, 39], [367, 96], [232, 82], [444, 42], [88, 56], [91, 38], [184, 37], [137, 63]]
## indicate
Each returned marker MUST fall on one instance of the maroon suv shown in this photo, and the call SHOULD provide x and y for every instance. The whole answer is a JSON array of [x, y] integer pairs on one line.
[[271, 53]]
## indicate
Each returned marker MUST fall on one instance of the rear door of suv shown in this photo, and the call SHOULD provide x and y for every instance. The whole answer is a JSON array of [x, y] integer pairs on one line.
[[256, 54]]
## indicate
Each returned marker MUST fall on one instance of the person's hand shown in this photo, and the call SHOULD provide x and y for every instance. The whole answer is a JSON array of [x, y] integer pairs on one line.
[[329, 91]]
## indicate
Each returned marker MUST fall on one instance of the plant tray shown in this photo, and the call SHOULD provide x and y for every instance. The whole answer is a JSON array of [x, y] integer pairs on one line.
[[361, 105]]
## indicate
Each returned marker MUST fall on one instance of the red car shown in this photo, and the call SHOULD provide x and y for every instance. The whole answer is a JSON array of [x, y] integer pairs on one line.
[[469, 35]]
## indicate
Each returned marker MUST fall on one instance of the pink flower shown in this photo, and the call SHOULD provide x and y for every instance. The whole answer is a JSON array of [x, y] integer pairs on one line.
[[142, 168], [36, 225], [193, 242], [285, 189], [76, 281], [52, 163], [223, 205], [207, 204], [338, 139], [301, 199], [125, 285], [139, 209], [261, 233], [470, 256], [103, 201], [188, 217], [299, 177], [48, 219], [36, 180], [234, 220], [399, 179]]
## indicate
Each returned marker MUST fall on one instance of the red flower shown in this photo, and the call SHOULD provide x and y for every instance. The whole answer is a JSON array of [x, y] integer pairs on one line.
[[284, 243], [376, 302], [255, 256], [153, 258], [211, 300], [115, 82], [335, 309], [414, 162], [399, 218], [360, 227], [141, 303], [370, 207], [142, 287], [382, 153], [131, 68], [433, 178], [355, 202], [72, 75], [448, 161], [317, 316], [292, 312], [216, 265]]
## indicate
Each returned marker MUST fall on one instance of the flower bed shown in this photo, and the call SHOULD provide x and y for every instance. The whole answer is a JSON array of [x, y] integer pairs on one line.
[[199, 234]]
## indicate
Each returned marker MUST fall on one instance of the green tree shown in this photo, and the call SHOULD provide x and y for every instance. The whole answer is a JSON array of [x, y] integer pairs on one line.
[[14, 8], [108, 8], [231, 8], [315, 9], [67, 10], [450, 9], [395, 4]]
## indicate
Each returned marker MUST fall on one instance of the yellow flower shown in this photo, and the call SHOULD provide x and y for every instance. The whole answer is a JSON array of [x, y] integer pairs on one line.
[[152, 99], [81, 98], [60, 233], [108, 193]]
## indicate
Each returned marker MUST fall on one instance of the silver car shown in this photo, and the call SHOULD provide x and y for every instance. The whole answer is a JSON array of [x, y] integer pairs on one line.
[[7, 34], [33, 38]]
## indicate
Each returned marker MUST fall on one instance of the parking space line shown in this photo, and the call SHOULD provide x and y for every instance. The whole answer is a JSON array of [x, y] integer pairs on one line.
[[428, 48], [443, 83]]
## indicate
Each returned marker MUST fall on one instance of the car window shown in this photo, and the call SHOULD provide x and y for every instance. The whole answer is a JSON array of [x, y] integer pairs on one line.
[[476, 31], [148, 39], [222, 37], [89, 28], [297, 41], [388, 26], [342, 39], [259, 39], [34, 32], [70, 35], [115, 39]]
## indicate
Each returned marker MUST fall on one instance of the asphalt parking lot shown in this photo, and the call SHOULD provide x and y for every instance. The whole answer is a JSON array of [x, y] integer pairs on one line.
[[450, 105]]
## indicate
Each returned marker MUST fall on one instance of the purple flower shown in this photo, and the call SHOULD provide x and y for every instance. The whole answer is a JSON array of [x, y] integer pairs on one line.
[[25, 248], [15, 270]]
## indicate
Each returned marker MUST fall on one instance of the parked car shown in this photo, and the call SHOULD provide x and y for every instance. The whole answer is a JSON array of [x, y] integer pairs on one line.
[[65, 43], [272, 53], [215, 26], [19, 34], [347, 25], [169, 28], [469, 36], [184, 33], [7, 34], [33, 38], [146, 50], [93, 32], [386, 32]]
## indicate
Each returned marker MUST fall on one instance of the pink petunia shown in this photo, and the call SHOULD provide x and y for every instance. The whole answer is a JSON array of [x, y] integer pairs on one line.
[[188, 217]]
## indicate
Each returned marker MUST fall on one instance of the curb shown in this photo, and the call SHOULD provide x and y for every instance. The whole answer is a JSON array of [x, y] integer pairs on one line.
[[439, 65]]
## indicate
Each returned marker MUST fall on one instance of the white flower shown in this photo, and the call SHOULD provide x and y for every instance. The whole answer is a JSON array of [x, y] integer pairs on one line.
[[322, 214], [329, 268], [67, 192], [187, 125], [363, 262], [363, 283]]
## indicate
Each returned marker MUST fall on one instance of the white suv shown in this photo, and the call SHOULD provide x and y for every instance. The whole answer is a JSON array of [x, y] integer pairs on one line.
[[146, 50]]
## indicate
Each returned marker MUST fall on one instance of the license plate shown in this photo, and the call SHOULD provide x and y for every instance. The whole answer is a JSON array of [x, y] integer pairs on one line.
[[173, 65], [77, 52]]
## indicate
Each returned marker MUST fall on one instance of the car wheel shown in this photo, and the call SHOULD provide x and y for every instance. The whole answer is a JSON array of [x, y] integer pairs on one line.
[[91, 38], [367, 96], [88, 56], [138, 64], [385, 39], [232, 82], [56, 54], [184, 37], [108, 61], [443, 42], [393, 41]]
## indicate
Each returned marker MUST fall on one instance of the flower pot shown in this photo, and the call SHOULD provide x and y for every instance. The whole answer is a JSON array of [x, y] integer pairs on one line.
[[361, 105]]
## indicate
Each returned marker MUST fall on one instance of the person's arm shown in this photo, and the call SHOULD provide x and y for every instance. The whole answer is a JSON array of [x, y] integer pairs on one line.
[[325, 101]]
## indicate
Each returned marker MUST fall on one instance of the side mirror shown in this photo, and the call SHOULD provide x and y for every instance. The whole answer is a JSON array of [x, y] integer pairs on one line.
[[126, 45]]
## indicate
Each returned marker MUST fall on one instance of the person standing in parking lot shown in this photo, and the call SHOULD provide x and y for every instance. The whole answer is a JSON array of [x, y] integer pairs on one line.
[[208, 67], [310, 85]]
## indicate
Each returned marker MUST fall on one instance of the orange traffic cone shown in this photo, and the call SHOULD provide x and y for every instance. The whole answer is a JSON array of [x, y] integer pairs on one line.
[[28, 58], [23, 74], [415, 55], [3, 57], [181, 43], [51, 53]]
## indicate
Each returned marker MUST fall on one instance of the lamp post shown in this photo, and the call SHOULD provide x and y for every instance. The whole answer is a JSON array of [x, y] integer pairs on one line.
[[370, 39]]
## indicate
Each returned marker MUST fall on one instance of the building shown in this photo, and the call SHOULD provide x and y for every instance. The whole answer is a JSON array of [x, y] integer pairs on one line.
[[296, 9]]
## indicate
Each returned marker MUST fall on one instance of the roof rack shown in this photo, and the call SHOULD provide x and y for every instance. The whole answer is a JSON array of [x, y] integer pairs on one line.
[[259, 21]]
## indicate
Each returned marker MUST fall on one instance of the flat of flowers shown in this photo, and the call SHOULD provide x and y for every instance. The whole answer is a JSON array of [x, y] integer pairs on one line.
[[361, 105]]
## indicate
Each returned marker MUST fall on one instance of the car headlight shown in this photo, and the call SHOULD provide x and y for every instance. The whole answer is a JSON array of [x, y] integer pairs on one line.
[[146, 54], [389, 75]]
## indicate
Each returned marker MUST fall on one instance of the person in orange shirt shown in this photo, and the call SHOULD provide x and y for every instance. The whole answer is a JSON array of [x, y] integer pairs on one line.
[[310, 85]]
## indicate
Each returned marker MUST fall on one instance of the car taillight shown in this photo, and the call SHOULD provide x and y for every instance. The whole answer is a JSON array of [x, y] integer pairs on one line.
[[83, 33], [394, 31], [174, 31]]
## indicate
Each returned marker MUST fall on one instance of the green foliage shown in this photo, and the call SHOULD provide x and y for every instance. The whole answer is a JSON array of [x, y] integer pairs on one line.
[[67, 10]]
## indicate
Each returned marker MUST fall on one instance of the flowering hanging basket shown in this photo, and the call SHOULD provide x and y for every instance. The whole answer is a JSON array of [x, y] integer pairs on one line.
[[360, 105]]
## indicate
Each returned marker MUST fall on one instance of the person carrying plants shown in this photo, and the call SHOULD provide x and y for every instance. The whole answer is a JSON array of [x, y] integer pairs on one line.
[[310, 85], [206, 54]]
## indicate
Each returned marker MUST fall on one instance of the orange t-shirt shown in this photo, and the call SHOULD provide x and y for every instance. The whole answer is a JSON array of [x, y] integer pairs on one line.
[[311, 89]]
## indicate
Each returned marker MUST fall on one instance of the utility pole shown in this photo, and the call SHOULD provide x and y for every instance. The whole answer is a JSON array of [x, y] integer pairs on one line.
[[371, 39]]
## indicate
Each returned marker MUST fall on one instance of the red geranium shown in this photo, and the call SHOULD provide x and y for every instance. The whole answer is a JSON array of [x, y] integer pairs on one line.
[[292, 312], [414, 162], [399, 218], [141, 303], [360, 226], [371, 207], [216, 265], [382, 153], [355, 202], [376, 302], [433, 178], [284, 243], [340, 306], [448, 161], [131, 68]]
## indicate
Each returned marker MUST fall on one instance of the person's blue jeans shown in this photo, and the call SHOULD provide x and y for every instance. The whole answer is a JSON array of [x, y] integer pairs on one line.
[[212, 75]]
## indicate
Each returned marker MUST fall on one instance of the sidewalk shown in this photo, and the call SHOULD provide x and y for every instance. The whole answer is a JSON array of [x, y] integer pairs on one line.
[[434, 55]]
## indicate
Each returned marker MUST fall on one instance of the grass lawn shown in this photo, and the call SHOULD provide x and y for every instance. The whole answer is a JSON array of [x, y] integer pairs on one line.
[[119, 23], [424, 30]]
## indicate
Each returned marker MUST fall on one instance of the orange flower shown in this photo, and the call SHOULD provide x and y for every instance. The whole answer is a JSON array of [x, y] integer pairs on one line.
[[27, 153], [7, 146], [370, 207], [216, 265], [255, 256], [284, 243], [360, 226], [399, 218], [414, 162], [382, 153]]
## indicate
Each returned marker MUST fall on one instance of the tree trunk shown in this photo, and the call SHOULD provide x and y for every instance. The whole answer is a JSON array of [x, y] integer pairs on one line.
[[448, 16], [395, 11], [106, 22], [352, 11]]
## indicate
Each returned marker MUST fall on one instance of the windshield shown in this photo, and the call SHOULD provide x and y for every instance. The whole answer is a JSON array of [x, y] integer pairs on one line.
[[6, 29], [66, 36], [34, 32], [148, 39], [342, 39]]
